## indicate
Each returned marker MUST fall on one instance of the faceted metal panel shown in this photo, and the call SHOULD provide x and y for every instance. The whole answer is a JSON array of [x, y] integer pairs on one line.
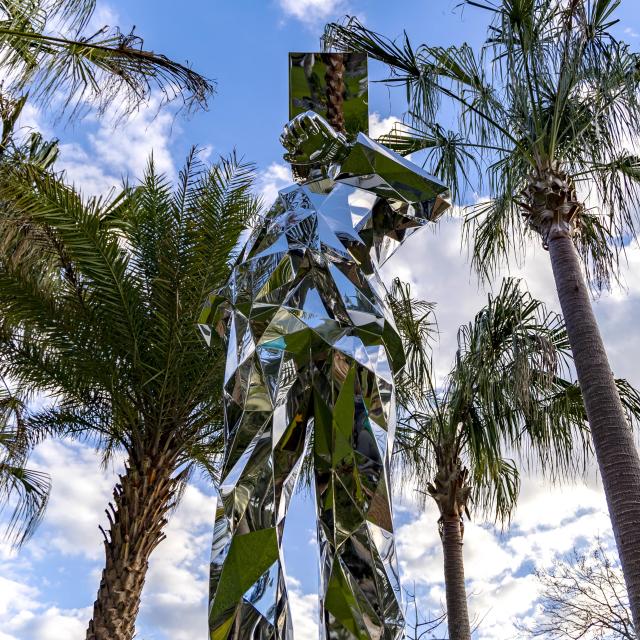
[[312, 353]]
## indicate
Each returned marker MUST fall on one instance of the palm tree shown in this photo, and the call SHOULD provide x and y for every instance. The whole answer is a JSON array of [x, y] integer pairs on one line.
[[100, 300], [27, 490], [504, 400], [548, 108], [44, 51]]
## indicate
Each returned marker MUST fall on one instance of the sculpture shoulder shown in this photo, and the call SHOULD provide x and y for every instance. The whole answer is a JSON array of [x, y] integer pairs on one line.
[[374, 167]]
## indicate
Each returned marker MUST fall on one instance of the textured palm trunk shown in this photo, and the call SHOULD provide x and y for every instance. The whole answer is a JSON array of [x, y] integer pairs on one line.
[[457, 612], [450, 490], [613, 441], [137, 518], [334, 78]]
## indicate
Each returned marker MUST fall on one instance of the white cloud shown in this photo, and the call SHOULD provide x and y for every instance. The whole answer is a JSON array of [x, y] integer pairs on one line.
[[548, 524], [304, 611], [114, 148], [52, 624], [81, 490], [89, 177], [313, 11], [632, 33], [118, 150], [275, 177], [103, 15], [379, 126]]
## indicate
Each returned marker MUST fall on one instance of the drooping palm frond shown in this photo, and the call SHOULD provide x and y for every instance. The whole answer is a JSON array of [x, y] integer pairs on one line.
[[25, 491], [447, 155], [506, 404], [98, 69], [416, 324], [551, 86]]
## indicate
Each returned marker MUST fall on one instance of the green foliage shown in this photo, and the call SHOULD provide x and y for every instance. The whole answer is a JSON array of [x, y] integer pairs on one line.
[[46, 52], [100, 300], [505, 404], [550, 87], [23, 489]]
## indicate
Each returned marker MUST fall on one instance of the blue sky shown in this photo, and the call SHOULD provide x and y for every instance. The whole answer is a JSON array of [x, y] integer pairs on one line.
[[47, 590]]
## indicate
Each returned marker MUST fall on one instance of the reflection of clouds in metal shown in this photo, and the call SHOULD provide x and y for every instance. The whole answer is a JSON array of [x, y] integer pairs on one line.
[[312, 350]]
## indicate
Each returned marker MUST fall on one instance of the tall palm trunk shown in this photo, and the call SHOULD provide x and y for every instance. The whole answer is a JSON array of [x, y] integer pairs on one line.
[[456, 592], [451, 491], [137, 518], [613, 441]]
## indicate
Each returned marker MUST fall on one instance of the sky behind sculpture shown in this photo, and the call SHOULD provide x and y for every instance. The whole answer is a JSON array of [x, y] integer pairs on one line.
[[45, 592]]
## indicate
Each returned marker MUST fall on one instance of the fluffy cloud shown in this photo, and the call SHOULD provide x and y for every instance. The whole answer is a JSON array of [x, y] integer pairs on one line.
[[548, 524], [275, 177], [304, 612], [113, 153], [313, 11], [379, 126], [81, 490]]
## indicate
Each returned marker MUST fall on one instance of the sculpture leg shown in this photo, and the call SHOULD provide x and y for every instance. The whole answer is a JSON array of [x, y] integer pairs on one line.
[[359, 590], [264, 452]]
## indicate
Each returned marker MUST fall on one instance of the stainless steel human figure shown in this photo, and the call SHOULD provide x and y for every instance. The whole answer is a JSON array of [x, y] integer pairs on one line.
[[312, 353]]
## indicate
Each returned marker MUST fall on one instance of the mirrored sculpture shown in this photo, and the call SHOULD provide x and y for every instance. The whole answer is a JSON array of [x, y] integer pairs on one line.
[[312, 353]]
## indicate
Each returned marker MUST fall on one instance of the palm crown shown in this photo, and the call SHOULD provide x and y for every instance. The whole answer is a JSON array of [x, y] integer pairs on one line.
[[506, 397], [105, 320], [551, 90], [505, 404], [547, 108]]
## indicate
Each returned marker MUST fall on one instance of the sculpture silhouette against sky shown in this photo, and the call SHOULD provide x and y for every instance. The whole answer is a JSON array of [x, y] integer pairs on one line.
[[312, 353]]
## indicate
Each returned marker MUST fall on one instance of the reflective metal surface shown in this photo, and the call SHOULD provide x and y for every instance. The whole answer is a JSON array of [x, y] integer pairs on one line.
[[334, 85], [312, 352]]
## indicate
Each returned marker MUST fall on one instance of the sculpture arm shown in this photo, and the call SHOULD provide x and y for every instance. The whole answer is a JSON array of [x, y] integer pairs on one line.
[[312, 143], [372, 166]]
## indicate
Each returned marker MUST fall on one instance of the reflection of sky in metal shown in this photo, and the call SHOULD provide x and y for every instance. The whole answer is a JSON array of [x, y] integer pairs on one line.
[[309, 375]]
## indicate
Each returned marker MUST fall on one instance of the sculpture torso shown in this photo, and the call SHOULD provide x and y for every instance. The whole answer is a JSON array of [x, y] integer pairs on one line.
[[308, 265]]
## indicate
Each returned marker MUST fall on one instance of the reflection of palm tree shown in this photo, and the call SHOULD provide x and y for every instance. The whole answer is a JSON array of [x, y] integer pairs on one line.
[[313, 82], [335, 89]]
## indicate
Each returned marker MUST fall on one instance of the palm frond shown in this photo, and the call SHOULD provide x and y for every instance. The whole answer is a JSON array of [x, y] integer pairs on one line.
[[552, 86], [25, 491], [416, 324], [506, 405], [98, 69], [100, 300]]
